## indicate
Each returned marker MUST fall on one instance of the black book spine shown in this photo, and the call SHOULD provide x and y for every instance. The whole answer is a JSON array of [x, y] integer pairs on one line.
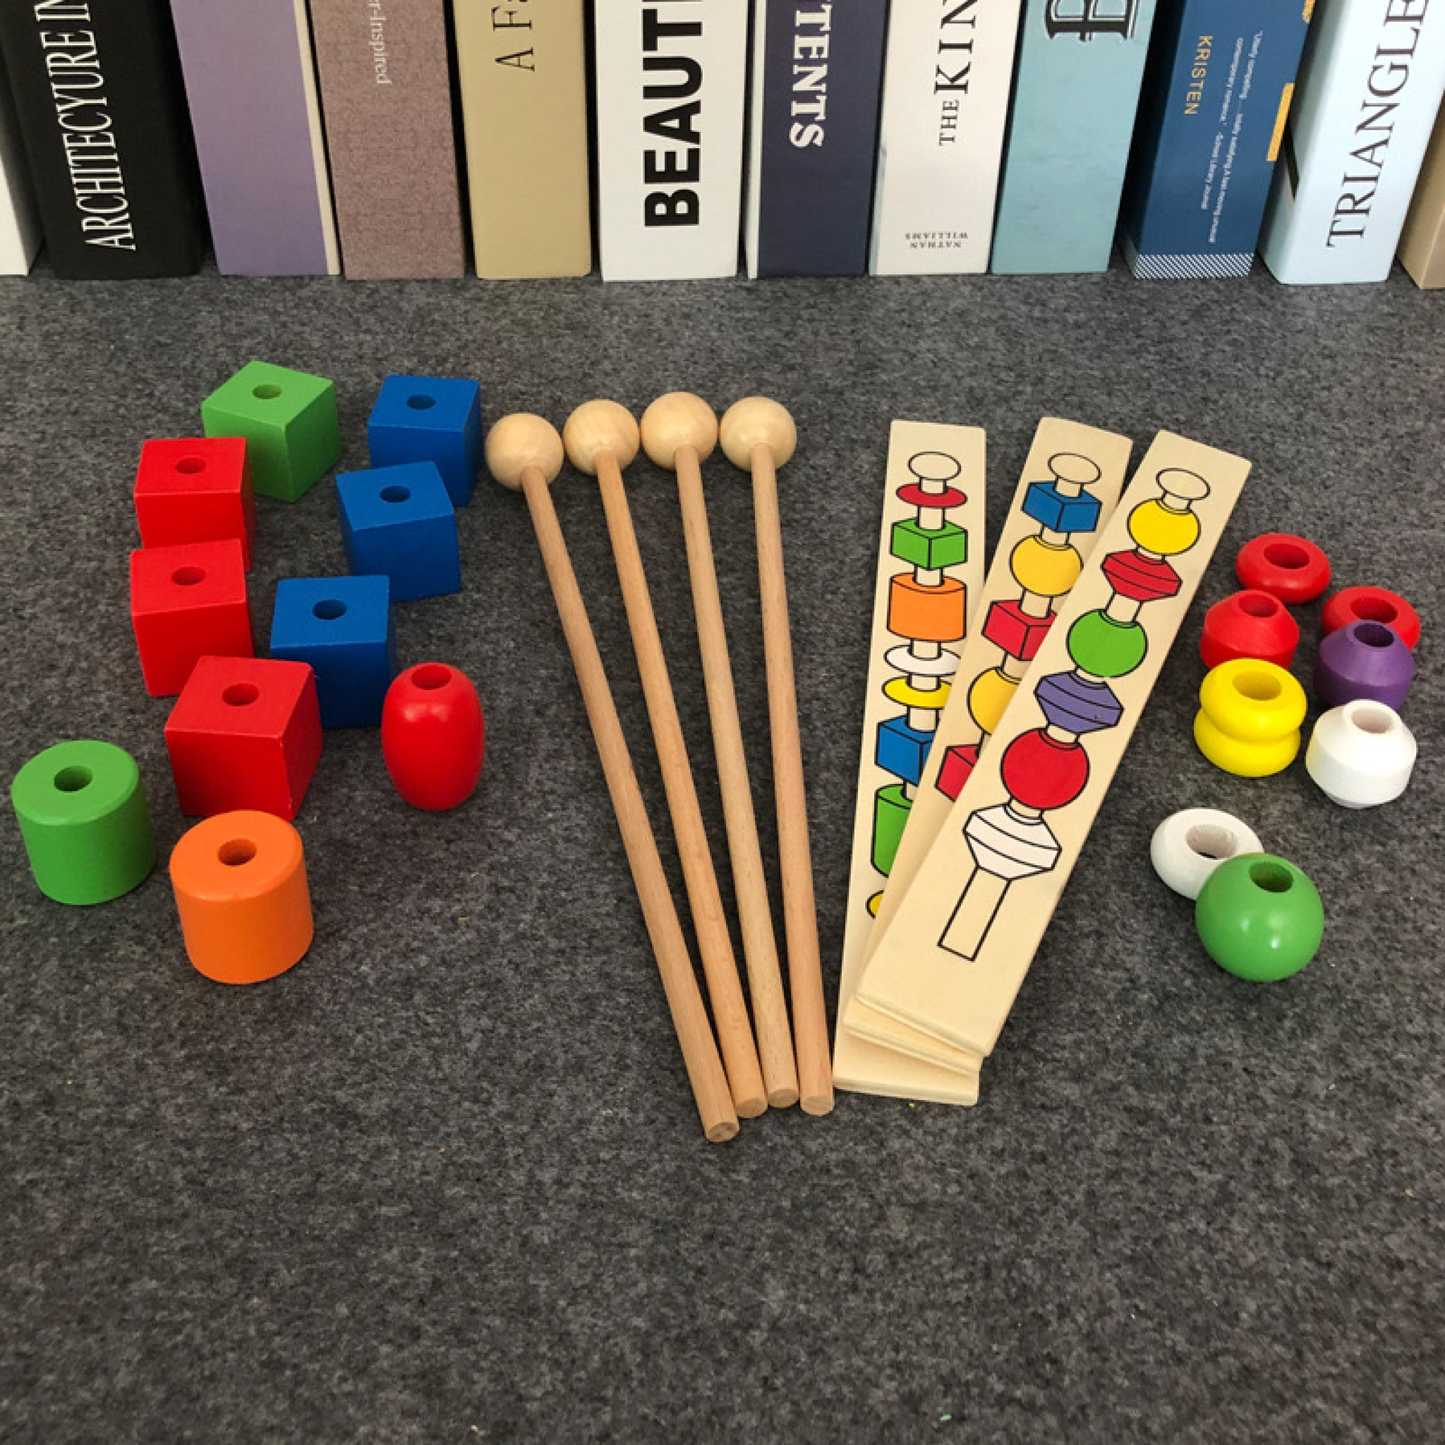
[[98, 95]]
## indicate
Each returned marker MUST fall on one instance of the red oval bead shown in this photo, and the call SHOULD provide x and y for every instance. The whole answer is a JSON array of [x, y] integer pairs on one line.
[[1249, 624], [1288, 567], [433, 736], [1042, 773], [1372, 604]]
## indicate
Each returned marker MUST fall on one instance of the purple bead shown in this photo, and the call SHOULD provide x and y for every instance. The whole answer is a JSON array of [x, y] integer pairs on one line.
[[1076, 706], [1363, 660]]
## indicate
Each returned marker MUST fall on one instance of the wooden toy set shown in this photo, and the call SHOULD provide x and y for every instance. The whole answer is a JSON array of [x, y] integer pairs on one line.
[[1001, 782], [998, 710], [734, 1076], [245, 734]]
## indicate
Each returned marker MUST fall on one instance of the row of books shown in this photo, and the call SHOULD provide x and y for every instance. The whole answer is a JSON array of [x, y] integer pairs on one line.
[[883, 136]]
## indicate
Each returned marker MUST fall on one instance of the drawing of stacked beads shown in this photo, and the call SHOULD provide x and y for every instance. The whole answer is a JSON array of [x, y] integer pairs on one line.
[[1045, 769], [1045, 564], [927, 608]]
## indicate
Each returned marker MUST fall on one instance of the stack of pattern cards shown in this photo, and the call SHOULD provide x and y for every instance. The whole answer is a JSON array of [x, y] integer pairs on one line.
[[938, 980]]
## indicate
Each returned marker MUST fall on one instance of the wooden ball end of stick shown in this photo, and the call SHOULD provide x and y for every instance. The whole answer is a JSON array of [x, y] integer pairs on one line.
[[679, 419], [597, 428], [520, 441], [757, 421]]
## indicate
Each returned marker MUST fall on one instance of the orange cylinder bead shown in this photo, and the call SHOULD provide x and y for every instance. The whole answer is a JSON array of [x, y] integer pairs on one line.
[[240, 886], [928, 614]]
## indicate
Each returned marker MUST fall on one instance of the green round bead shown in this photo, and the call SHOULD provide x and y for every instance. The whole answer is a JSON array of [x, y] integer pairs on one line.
[[82, 813], [1106, 648], [1259, 917]]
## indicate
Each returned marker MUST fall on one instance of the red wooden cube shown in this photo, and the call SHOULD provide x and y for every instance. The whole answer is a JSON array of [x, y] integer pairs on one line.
[[195, 490], [186, 602], [244, 733]]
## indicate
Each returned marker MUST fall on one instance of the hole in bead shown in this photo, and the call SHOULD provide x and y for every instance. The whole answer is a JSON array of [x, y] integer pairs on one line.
[[188, 576], [1271, 877], [1374, 634], [241, 694], [1258, 604], [236, 852], [329, 609], [1374, 609], [191, 465], [1289, 555], [432, 675], [267, 391], [73, 779], [1373, 719], [1211, 840], [395, 494], [1257, 686], [421, 402]]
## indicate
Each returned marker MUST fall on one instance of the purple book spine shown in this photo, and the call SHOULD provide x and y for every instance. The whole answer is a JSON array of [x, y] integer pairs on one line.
[[251, 90]]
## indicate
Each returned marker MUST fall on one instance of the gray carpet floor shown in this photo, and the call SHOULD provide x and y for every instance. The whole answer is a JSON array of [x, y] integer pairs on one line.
[[444, 1180]]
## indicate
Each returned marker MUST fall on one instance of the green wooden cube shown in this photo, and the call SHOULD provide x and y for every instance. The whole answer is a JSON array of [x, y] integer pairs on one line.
[[945, 546], [293, 437]]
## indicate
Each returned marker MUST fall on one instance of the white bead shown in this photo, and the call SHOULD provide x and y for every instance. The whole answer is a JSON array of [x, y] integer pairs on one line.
[[1188, 846], [1361, 754]]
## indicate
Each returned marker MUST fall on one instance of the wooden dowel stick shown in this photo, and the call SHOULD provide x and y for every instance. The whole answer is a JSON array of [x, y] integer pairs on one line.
[[518, 450], [598, 436], [758, 435], [664, 425]]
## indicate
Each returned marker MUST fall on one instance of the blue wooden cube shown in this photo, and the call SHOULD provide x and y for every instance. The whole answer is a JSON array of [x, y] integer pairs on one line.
[[342, 627], [430, 419], [398, 522]]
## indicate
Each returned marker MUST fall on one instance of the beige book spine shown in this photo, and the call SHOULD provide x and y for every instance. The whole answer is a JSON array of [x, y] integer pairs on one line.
[[523, 77], [1422, 242]]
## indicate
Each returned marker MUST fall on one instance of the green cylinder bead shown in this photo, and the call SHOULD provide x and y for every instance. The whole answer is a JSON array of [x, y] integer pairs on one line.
[[82, 813], [1106, 648], [890, 814], [1259, 917]]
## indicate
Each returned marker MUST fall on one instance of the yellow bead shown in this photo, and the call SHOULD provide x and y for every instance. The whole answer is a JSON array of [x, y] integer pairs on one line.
[[990, 694], [1158, 529], [1045, 570], [1249, 718], [903, 692]]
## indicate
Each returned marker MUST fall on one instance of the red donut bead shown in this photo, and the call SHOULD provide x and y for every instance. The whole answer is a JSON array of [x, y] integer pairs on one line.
[[1040, 772], [1372, 604], [1249, 624], [1288, 567], [433, 736]]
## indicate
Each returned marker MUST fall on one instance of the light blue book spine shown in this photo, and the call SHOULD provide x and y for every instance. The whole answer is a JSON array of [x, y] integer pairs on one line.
[[1075, 94]]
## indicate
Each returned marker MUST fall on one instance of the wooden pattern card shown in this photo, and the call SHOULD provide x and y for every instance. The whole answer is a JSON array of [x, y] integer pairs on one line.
[[961, 943], [930, 567], [1071, 482]]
